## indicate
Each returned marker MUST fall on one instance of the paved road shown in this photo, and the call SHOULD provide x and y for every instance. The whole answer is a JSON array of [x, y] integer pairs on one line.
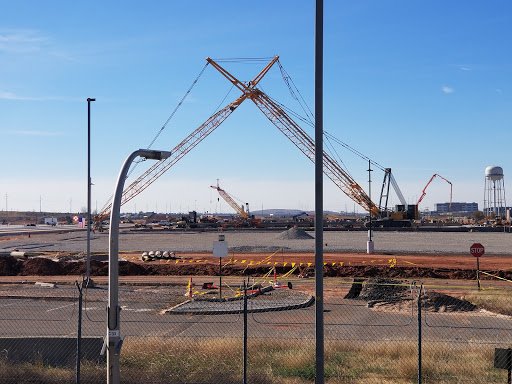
[[53, 312]]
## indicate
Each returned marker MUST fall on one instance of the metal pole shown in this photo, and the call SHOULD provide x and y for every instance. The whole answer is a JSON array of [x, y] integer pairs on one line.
[[418, 291], [88, 260], [478, 272], [79, 332], [319, 188], [419, 339], [114, 341], [245, 332], [220, 278], [370, 246]]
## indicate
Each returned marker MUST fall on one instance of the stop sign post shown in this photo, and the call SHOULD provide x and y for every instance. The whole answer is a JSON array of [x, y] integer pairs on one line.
[[477, 250]]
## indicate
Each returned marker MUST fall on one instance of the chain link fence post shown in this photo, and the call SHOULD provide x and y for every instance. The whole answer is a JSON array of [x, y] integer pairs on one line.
[[418, 290], [79, 287], [245, 332]]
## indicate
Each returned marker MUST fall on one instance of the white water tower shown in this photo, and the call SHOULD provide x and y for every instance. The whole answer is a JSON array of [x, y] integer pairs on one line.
[[494, 198]]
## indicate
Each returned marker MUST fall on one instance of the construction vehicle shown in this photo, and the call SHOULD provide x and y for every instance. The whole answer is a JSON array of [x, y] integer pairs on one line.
[[277, 116], [244, 219], [423, 193]]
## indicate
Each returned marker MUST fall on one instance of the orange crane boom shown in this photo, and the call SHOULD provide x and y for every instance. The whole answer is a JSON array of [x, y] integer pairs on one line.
[[238, 208], [277, 116], [148, 177], [306, 144], [423, 193]]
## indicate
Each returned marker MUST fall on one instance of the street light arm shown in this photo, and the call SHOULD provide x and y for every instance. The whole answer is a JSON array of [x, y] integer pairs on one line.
[[113, 325]]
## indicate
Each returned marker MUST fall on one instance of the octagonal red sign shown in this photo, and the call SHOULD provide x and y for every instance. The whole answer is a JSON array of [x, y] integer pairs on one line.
[[477, 249]]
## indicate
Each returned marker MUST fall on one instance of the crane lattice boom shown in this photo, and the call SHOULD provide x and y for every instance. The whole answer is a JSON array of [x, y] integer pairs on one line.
[[148, 177], [228, 199], [307, 145], [277, 116]]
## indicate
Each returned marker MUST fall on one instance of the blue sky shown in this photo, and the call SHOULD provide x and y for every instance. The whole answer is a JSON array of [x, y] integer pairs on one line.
[[422, 87]]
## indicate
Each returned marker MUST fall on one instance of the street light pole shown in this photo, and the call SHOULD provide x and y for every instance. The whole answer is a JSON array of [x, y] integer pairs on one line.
[[114, 340], [319, 191], [88, 259]]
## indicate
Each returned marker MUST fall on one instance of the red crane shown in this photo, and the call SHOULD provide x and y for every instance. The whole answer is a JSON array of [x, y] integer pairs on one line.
[[423, 193]]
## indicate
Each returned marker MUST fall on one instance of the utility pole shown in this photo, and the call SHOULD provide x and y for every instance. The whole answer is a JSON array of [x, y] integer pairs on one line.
[[88, 260], [319, 190], [370, 245]]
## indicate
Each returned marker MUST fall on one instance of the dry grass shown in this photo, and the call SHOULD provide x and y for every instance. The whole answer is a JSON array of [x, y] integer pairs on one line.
[[278, 362], [497, 301]]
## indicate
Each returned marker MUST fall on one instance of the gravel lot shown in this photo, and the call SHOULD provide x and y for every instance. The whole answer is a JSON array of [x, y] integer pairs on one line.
[[497, 243]]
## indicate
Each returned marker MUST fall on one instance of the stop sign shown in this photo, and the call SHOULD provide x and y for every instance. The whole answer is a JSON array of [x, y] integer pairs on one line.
[[477, 249]]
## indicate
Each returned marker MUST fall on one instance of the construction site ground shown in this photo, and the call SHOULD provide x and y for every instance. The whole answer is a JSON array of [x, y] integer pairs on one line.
[[253, 253]]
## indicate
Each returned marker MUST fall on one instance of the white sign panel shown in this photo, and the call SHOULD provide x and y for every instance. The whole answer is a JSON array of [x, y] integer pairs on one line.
[[220, 249]]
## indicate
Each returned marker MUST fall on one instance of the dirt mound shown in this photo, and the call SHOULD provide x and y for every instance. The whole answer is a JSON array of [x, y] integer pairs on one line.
[[294, 234], [127, 268], [41, 266], [392, 294], [9, 266], [384, 290], [439, 302]]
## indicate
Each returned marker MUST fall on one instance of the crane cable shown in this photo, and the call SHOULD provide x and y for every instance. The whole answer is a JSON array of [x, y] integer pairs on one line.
[[307, 120], [293, 91], [293, 88], [136, 162], [171, 116]]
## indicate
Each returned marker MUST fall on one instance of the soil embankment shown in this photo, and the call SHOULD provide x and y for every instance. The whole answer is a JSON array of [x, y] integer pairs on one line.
[[205, 265]]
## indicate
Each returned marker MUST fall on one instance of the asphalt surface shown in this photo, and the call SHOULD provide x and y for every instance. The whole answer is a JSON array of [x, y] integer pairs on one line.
[[497, 243], [29, 310]]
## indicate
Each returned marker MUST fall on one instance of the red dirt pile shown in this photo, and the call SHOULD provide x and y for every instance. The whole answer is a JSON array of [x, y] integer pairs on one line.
[[10, 266]]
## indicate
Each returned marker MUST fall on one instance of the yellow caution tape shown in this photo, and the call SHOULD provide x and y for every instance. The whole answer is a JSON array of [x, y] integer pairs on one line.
[[497, 277], [408, 262]]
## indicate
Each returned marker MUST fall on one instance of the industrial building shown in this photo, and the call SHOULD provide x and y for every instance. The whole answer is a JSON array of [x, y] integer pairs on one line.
[[456, 207]]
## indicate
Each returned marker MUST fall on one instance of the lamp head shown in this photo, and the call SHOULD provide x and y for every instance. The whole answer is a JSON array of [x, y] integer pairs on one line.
[[156, 155]]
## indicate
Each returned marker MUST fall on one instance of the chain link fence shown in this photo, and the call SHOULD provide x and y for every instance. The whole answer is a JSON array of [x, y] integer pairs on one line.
[[260, 330]]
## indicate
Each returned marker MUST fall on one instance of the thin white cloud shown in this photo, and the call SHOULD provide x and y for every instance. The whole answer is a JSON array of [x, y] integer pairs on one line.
[[446, 89], [465, 68], [5, 95], [11, 96], [34, 133], [21, 41]]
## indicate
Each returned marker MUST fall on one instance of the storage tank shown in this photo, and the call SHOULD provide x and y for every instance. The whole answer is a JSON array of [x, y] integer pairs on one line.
[[494, 173], [494, 197]]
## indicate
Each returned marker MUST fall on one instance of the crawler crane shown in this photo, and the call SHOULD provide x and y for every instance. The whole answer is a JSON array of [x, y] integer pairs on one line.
[[228, 199], [277, 116]]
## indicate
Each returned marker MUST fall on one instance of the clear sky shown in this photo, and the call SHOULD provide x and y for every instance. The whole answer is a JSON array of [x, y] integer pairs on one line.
[[422, 87]]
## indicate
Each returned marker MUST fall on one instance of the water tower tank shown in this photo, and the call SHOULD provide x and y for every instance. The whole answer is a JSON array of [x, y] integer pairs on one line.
[[494, 173]]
